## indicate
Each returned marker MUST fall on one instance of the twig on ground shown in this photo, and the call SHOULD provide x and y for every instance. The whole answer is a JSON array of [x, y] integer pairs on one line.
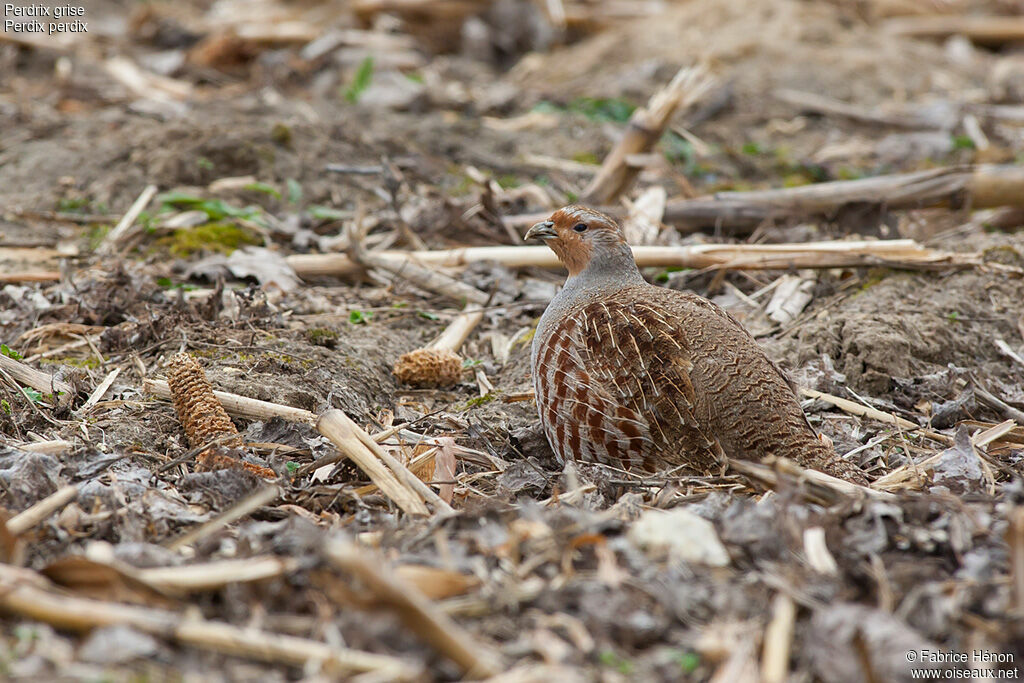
[[999, 404], [646, 126], [817, 486], [38, 380], [30, 276], [416, 273], [778, 640], [911, 475], [1007, 351], [418, 613], [239, 406], [982, 30], [52, 447], [817, 553], [854, 408], [402, 472], [62, 217], [242, 508], [831, 254], [822, 104], [343, 432], [101, 389], [60, 350], [26, 519], [983, 186], [180, 580], [114, 238], [147, 84], [27, 594]]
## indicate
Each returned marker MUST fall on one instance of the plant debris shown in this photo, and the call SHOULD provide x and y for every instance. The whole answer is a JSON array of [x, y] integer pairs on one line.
[[265, 319]]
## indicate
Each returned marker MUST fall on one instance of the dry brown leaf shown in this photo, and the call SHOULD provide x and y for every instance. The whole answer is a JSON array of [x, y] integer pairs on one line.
[[444, 468], [11, 546], [92, 579], [437, 584]]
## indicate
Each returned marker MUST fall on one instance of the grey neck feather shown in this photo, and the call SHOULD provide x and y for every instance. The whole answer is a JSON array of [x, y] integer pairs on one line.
[[610, 270]]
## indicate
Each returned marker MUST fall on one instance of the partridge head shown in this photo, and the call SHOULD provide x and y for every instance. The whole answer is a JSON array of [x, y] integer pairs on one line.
[[642, 377], [583, 238]]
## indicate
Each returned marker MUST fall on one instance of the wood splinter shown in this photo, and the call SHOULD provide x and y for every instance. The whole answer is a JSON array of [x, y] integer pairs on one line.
[[391, 477], [646, 126], [204, 419]]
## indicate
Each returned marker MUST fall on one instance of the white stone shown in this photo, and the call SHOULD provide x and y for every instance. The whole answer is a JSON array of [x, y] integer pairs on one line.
[[680, 533]]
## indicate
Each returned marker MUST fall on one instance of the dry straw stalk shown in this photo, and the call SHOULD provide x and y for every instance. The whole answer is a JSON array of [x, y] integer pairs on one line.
[[830, 254], [27, 594], [343, 433]]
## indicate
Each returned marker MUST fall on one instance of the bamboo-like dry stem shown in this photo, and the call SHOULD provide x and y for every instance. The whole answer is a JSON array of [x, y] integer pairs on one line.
[[987, 185], [28, 518], [402, 472], [62, 349], [911, 475], [420, 275], [830, 254], [343, 432], [1005, 349], [819, 487], [979, 187], [213, 575], [817, 553], [778, 640], [419, 614], [30, 276], [453, 336], [27, 594], [993, 433], [518, 591], [826, 105], [38, 380], [52, 447], [234, 513], [854, 408], [146, 83], [239, 406], [277, 647], [992, 30], [646, 126]]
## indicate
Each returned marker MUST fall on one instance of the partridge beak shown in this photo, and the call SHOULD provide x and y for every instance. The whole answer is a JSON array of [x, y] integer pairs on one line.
[[544, 230]]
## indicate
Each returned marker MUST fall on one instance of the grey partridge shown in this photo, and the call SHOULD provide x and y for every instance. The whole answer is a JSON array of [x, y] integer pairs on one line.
[[646, 378]]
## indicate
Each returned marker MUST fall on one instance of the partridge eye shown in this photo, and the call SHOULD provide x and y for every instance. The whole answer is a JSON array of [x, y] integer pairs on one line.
[[580, 227]]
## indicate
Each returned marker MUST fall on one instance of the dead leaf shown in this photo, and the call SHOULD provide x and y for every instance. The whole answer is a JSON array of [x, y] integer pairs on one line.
[[11, 546], [437, 584], [444, 468], [102, 581]]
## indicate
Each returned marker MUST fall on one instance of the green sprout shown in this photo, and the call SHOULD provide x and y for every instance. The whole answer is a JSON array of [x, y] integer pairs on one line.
[[361, 81]]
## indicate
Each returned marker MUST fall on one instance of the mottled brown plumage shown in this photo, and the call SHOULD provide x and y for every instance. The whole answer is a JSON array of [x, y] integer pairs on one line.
[[647, 378]]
